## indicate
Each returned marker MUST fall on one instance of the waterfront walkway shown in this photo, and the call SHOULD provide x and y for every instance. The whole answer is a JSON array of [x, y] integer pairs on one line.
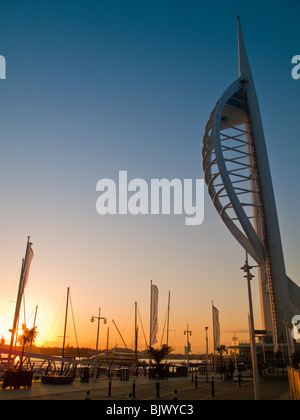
[[273, 387]]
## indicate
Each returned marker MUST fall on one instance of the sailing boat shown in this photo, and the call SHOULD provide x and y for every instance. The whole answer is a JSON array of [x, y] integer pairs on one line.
[[60, 378]]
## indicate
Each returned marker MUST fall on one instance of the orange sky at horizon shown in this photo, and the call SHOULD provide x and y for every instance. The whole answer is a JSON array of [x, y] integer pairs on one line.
[[137, 98], [120, 307]]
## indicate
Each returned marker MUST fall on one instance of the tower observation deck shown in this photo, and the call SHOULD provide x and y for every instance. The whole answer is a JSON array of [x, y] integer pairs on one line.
[[238, 177]]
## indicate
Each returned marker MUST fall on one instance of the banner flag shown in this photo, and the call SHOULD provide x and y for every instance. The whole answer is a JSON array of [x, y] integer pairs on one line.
[[154, 315], [26, 262], [25, 273], [216, 327]]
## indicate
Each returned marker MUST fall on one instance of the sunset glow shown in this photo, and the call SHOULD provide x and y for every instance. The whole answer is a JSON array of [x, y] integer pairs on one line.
[[129, 87]]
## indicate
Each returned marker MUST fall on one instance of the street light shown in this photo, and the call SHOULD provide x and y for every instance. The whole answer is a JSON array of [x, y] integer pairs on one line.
[[234, 339], [93, 318], [206, 369], [187, 332], [249, 277]]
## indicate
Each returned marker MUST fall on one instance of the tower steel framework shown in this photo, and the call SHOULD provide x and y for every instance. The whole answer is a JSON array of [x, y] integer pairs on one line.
[[237, 173]]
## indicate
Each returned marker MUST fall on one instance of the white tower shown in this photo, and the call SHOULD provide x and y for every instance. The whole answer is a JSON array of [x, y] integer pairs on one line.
[[237, 173]]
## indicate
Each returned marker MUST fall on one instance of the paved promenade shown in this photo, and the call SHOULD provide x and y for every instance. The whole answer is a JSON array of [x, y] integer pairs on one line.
[[273, 387]]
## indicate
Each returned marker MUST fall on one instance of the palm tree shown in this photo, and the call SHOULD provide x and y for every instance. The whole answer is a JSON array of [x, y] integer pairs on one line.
[[222, 349], [159, 354], [28, 337]]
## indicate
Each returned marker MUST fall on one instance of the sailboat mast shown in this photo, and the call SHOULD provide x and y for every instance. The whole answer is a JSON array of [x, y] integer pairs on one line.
[[168, 320], [135, 334], [119, 333], [66, 319], [107, 339], [150, 342], [168, 324], [36, 309]]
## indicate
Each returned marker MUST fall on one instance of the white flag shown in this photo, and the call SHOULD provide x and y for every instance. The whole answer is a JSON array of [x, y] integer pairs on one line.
[[22, 284], [28, 258], [216, 327], [154, 314]]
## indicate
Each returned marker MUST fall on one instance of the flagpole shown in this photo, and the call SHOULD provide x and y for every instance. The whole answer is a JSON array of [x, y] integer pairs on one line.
[[168, 324], [18, 304], [168, 320], [214, 337], [16, 316], [187, 332], [150, 342], [135, 334]]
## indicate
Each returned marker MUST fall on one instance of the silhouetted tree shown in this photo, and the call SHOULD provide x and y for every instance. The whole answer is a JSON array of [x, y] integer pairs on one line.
[[159, 354], [222, 349], [28, 337]]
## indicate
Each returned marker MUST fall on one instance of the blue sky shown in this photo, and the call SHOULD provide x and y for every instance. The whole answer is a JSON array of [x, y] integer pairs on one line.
[[101, 86]]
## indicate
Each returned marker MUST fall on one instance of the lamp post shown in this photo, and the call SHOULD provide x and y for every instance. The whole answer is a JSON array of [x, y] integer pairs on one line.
[[206, 370], [249, 277], [234, 339], [187, 333], [93, 318]]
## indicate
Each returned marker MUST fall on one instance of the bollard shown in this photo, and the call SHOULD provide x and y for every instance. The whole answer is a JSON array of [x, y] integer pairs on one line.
[[240, 379], [157, 389], [212, 387], [133, 388], [196, 380], [109, 387]]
